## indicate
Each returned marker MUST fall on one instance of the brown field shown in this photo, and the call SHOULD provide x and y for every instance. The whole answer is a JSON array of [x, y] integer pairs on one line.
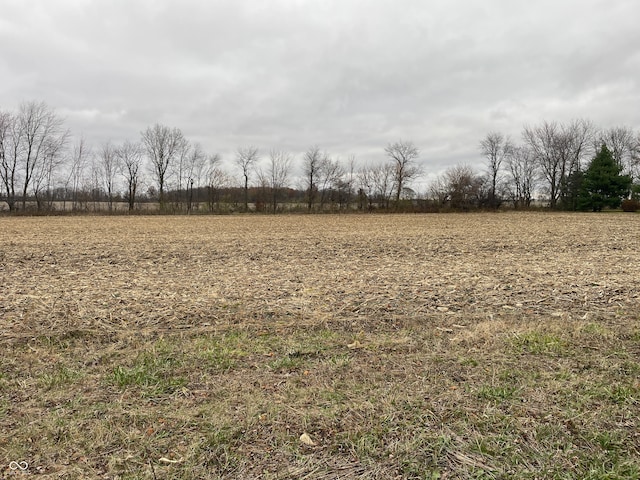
[[321, 347]]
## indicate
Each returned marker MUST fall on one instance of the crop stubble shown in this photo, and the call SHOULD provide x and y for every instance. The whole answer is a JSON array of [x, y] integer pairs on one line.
[[434, 311], [105, 274]]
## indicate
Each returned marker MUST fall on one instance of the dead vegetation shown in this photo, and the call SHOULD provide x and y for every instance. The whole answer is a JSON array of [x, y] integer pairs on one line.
[[355, 347]]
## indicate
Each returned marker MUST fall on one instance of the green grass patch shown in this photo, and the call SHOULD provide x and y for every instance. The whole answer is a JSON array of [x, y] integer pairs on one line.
[[60, 377], [540, 343], [497, 393], [156, 372]]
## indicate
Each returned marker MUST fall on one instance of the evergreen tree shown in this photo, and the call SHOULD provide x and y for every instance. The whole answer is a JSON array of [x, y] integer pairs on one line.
[[571, 188], [603, 185]]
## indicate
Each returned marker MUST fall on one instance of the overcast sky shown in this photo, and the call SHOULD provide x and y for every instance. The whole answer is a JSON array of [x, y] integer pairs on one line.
[[347, 75]]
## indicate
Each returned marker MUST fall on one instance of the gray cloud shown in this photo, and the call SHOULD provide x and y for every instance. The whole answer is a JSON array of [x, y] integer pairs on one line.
[[349, 76]]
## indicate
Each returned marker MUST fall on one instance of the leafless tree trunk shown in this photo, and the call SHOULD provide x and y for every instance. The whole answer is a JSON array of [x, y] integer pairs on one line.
[[197, 163], [329, 174], [277, 174], [542, 142], [383, 178], [346, 183], [312, 163], [464, 188], [576, 144], [38, 131], [94, 187], [634, 169], [195, 167], [217, 179], [162, 145], [246, 159], [45, 171], [495, 147], [581, 133], [130, 160], [8, 158], [180, 174], [439, 191], [559, 151], [108, 167], [522, 172], [365, 187], [622, 144], [263, 193], [77, 165], [403, 156]]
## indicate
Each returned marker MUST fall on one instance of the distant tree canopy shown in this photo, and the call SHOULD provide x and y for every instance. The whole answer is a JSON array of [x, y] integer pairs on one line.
[[555, 165], [603, 185], [565, 164]]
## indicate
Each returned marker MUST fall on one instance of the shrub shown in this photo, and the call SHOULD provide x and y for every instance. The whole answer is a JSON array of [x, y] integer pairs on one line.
[[630, 205]]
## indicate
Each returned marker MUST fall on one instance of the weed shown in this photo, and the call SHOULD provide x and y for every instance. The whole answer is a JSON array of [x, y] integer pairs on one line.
[[623, 394], [341, 360], [221, 353], [539, 343], [610, 441], [153, 371], [469, 362], [361, 444], [287, 362], [61, 376], [497, 393], [596, 330]]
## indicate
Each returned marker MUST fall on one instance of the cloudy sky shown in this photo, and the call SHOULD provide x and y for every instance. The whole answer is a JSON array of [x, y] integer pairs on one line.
[[347, 75]]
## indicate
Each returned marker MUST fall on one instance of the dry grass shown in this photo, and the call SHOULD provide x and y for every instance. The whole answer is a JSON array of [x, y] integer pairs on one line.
[[434, 346]]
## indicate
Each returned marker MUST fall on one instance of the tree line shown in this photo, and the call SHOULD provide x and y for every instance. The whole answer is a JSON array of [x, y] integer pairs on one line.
[[570, 164], [42, 168]]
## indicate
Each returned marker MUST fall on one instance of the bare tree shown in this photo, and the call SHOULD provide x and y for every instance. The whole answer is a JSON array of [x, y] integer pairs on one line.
[[179, 172], [46, 170], [634, 169], [522, 173], [246, 158], [559, 151], [542, 142], [403, 156], [465, 189], [495, 148], [130, 159], [330, 173], [195, 168], [365, 187], [108, 168], [312, 164], [77, 164], [622, 144], [278, 170], [189, 165], [439, 191], [575, 145], [162, 145], [346, 183], [197, 163], [8, 158], [217, 180], [581, 133], [383, 177], [37, 138], [93, 187]]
